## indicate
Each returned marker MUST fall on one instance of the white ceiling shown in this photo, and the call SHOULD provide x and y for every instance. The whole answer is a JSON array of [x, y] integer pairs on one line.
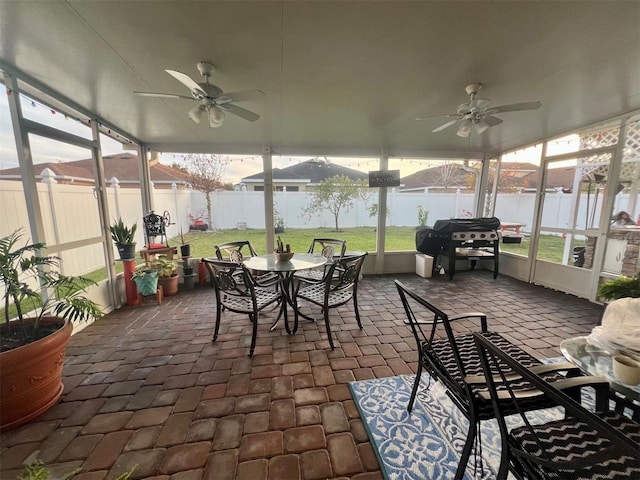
[[341, 77]]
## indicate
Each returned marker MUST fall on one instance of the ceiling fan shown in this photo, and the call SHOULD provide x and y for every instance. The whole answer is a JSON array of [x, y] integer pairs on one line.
[[212, 101], [477, 113]]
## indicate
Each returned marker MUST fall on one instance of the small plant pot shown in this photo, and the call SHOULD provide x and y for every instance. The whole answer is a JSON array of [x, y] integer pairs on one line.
[[283, 257], [189, 281], [169, 285], [187, 271], [148, 283], [127, 251], [185, 250]]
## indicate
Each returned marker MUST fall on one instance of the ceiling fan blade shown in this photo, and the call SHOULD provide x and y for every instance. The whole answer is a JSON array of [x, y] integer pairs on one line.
[[186, 81], [445, 115], [514, 107], [243, 96], [492, 121], [161, 95], [446, 125], [481, 126], [239, 111]]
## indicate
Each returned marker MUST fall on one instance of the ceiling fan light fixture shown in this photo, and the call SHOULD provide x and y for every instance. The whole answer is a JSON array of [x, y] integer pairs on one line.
[[196, 113], [480, 126], [464, 129], [216, 116]]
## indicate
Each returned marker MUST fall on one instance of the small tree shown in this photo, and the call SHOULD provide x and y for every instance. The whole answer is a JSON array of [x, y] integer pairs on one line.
[[336, 194], [448, 175], [204, 172]]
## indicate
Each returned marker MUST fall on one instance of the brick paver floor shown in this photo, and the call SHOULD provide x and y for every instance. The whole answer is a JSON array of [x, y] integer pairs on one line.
[[145, 386]]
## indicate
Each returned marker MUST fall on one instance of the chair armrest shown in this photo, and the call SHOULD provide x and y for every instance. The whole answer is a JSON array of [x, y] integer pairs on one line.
[[461, 316], [554, 367], [537, 369], [564, 384], [480, 315]]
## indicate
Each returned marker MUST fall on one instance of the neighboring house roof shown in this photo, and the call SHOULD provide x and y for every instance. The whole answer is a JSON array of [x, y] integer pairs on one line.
[[525, 175], [311, 171], [123, 166], [450, 175], [556, 178]]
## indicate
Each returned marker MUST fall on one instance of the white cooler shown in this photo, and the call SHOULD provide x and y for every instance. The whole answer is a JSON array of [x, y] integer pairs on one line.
[[424, 265]]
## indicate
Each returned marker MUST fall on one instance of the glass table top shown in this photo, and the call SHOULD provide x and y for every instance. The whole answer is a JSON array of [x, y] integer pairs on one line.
[[299, 261], [595, 361]]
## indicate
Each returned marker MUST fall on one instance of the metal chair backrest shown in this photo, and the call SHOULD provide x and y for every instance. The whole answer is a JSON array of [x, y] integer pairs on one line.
[[331, 248], [224, 279], [235, 251], [424, 319], [343, 274]]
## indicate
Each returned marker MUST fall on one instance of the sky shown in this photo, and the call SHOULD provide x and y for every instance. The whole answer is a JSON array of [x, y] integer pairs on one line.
[[46, 150]]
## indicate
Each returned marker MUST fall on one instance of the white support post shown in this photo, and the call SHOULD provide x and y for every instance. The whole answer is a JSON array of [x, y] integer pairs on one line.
[[382, 217], [267, 168]]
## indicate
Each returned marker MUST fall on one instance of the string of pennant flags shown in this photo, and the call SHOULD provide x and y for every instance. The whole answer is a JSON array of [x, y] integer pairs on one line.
[[87, 121]]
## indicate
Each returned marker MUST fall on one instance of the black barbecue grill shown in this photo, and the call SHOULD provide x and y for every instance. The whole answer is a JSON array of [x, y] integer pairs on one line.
[[470, 239]]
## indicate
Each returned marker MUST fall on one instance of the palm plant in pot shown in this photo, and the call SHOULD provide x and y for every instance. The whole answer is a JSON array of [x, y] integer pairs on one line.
[[124, 238], [45, 303]]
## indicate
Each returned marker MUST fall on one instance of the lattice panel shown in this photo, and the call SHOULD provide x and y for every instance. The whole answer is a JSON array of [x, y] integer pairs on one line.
[[599, 138], [632, 145]]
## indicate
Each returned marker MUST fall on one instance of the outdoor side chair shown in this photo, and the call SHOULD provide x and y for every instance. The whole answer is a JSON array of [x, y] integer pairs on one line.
[[246, 296], [338, 286], [331, 248], [454, 360], [239, 250], [582, 444]]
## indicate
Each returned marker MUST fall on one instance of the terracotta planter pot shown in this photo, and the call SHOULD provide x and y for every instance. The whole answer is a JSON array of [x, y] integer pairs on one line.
[[31, 376], [169, 285]]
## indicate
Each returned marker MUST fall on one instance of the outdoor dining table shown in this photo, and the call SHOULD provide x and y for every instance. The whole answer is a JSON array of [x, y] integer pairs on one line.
[[299, 261], [593, 360]]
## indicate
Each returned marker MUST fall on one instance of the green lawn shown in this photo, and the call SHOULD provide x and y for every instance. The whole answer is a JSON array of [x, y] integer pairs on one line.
[[550, 247], [361, 238]]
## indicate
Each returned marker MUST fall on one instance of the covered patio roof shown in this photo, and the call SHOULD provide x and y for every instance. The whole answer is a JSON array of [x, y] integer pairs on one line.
[[340, 77]]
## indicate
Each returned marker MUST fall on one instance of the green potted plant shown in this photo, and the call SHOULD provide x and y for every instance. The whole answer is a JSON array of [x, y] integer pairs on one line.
[[44, 303], [124, 238], [620, 287], [185, 248], [167, 274], [146, 280]]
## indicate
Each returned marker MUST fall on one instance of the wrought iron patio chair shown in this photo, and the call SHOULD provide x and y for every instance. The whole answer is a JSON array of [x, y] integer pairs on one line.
[[246, 296], [239, 250], [338, 286], [331, 248], [452, 359], [582, 444]]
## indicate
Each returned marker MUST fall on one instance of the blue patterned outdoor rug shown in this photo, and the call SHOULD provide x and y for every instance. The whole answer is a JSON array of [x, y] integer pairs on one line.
[[426, 444]]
